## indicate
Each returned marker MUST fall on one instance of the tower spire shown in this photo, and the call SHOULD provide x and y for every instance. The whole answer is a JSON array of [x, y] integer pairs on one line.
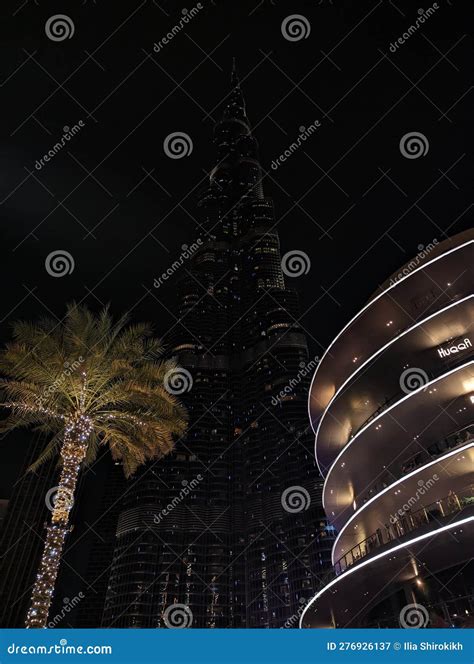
[[235, 107], [238, 171]]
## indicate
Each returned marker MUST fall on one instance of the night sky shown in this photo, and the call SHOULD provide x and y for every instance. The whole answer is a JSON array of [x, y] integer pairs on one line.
[[122, 208]]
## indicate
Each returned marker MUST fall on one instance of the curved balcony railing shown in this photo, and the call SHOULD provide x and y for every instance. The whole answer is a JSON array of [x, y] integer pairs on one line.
[[389, 401], [400, 526], [432, 308], [456, 439]]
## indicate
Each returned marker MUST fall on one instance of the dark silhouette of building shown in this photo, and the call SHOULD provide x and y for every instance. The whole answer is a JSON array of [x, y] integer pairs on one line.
[[85, 572], [230, 527], [22, 537], [82, 581]]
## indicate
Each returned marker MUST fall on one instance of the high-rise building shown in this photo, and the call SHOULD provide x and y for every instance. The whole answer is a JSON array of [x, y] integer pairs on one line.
[[85, 570], [392, 405], [22, 537], [82, 581], [230, 527]]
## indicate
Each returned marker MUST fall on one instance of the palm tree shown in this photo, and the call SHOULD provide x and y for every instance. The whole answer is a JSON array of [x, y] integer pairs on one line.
[[87, 382]]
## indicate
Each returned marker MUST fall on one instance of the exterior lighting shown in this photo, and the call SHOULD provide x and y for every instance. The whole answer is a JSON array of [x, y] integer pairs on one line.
[[377, 536]]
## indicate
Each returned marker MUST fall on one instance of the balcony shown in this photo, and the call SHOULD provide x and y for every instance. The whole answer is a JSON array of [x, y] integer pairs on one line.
[[376, 452], [400, 394], [393, 401], [422, 551], [387, 380], [398, 306], [399, 527], [418, 459]]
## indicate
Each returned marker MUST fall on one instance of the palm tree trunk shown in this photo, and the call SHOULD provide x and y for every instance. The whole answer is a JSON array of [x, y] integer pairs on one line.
[[73, 452]]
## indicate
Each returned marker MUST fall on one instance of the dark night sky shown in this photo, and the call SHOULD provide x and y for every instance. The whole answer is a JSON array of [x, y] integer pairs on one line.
[[348, 198]]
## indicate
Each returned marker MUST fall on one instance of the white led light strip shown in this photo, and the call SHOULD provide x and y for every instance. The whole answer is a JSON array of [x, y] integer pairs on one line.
[[370, 303], [381, 350], [359, 566], [387, 410], [443, 457]]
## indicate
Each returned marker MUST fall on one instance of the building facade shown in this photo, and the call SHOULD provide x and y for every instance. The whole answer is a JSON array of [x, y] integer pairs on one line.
[[22, 537], [213, 530], [392, 407], [83, 576]]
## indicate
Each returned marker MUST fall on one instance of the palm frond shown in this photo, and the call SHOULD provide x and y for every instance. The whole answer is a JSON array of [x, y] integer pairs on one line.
[[50, 451], [89, 365]]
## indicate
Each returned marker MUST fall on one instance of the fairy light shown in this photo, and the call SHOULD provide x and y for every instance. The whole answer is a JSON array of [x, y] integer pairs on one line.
[[45, 579], [35, 410], [82, 398], [77, 431], [76, 425], [132, 418]]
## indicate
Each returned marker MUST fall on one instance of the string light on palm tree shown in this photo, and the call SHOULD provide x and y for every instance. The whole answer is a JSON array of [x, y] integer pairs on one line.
[[117, 399]]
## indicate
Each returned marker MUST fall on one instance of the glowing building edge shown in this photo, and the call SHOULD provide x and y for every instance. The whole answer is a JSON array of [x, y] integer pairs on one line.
[[381, 437]]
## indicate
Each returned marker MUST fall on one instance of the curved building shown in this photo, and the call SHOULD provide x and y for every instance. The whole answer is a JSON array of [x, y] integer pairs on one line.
[[392, 405]]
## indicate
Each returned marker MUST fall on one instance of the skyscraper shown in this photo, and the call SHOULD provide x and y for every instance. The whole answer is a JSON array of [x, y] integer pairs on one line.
[[230, 527], [85, 568], [22, 536]]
